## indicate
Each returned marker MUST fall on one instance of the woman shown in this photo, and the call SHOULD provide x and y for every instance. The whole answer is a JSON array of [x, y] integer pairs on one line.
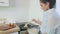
[[50, 17]]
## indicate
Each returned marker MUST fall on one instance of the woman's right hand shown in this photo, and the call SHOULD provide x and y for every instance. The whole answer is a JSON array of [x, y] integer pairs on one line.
[[34, 20], [37, 21]]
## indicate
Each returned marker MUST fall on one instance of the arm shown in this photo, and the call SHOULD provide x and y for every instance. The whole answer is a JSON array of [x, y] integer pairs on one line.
[[39, 22]]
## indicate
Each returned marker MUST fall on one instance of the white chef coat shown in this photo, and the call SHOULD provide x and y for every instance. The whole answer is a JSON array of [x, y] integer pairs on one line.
[[49, 20]]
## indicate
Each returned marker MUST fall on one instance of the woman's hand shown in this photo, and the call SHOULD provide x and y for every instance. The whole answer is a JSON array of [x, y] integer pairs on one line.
[[37, 21], [44, 33], [34, 20]]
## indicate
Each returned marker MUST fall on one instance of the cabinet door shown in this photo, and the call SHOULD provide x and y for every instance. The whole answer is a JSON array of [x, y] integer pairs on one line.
[[4, 2]]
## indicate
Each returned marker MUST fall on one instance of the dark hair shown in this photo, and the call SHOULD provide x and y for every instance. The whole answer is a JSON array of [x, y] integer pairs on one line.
[[51, 2]]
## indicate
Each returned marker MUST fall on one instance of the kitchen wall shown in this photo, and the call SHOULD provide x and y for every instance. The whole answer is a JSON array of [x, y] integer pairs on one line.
[[58, 6], [18, 10], [35, 10]]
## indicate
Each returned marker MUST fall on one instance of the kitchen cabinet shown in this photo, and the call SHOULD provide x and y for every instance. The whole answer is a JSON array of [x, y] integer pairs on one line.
[[4, 2]]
